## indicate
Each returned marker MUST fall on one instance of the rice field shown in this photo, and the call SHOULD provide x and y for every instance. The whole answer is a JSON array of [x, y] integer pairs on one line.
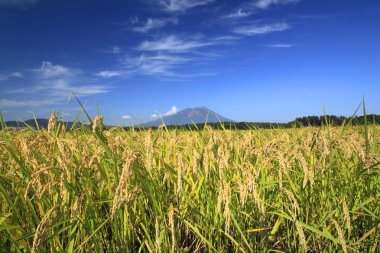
[[276, 190]]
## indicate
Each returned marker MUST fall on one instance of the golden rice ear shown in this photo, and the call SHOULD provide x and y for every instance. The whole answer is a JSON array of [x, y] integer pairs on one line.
[[172, 227], [346, 215], [301, 236], [52, 121], [340, 235], [42, 229], [63, 128], [98, 123]]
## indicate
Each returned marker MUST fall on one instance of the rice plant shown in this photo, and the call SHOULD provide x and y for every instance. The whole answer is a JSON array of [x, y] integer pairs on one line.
[[87, 189]]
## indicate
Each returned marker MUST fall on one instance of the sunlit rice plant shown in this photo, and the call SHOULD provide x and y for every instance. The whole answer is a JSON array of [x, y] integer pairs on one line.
[[113, 190]]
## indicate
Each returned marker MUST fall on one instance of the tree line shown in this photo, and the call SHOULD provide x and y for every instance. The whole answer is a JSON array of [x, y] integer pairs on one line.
[[306, 121], [335, 120]]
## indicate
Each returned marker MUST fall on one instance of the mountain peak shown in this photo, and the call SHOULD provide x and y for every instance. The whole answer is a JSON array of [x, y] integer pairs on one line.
[[188, 116], [201, 108]]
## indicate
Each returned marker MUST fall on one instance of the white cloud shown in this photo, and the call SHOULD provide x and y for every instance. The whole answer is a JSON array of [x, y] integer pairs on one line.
[[165, 56], [126, 117], [154, 115], [15, 103], [109, 73], [240, 13], [248, 9], [6, 76], [50, 85], [281, 45], [134, 20], [17, 2], [49, 70], [17, 74], [224, 40], [48, 94], [172, 43], [154, 23], [61, 88], [261, 29], [115, 50], [58, 80], [265, 4], [157, 64], [179, 5], [55, 82], [172, 111]]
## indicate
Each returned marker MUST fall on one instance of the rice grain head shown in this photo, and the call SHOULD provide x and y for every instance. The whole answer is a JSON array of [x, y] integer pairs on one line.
[[292, 198], [52, 121], [122, 188], [340, 235], [98, 123], [171, 224], [347, 215], [301, 235], [157, 235], [42, 229], [180, 169]]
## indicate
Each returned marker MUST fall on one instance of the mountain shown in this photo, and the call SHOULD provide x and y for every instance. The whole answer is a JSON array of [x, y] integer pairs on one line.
[[197, 115], [42, 123]]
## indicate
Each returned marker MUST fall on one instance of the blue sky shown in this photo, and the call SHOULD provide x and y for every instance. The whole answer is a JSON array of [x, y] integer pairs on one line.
[[253, 60]]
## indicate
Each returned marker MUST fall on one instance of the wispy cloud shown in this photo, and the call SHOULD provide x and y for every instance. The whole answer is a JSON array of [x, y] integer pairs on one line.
[[27, 103], [165, 57], [49, 70], [248, 9], [154, 24], [225, 40], [110, 73], [153, 64], [115, 50], [156, 64], [21, 3], [311, 16], [279, 45], [60, 88], [251, 30], [265, 4], [126, 117], [179, 5], [48, 85], [172, 43], [240, 13], [172, 111], [6, 76], [55, 79]]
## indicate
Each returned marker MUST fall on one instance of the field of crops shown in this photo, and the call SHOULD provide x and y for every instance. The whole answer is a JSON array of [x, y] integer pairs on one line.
[[280, 190]]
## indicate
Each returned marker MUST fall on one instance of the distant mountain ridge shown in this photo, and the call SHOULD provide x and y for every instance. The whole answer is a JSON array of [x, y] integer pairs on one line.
[[188, 116], [195, 116], [42, 123]]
